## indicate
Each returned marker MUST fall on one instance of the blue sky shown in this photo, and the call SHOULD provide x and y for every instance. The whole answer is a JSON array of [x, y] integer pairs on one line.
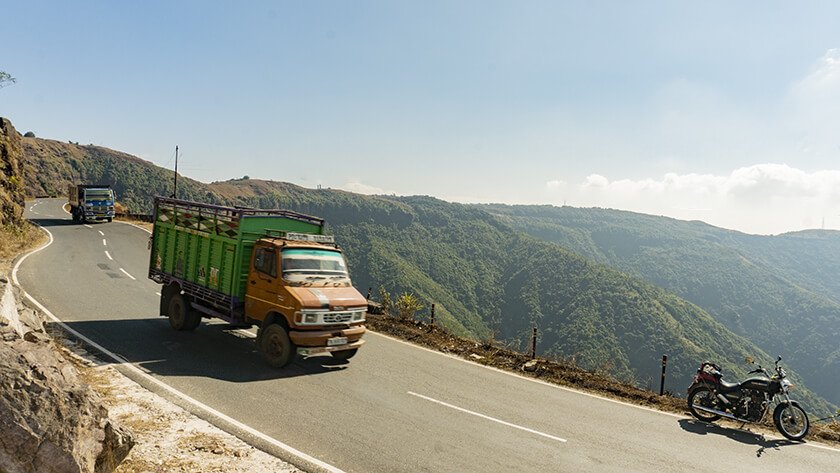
[[711, 111]]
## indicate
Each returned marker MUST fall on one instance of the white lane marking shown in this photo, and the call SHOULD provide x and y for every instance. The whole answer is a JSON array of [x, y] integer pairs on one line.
[[100, 232], [172, 391], [525, 378], [467, 411], [571, 390], [88, 226], [126, 273], [157, 294], [108, 255], [104, 243]]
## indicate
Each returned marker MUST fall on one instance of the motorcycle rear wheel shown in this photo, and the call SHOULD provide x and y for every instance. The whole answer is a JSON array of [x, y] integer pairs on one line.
[[791, 420], [702, 396]]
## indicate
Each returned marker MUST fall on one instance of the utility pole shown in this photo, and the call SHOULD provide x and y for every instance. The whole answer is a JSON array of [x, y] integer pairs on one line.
[[175, 190]]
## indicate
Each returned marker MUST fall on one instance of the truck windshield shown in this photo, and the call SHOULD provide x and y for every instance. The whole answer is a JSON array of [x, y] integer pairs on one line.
[[98, 194], [311, 264]]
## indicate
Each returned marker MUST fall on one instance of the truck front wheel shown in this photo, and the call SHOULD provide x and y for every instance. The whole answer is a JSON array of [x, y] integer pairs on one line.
[[275, 346], [181, 315]]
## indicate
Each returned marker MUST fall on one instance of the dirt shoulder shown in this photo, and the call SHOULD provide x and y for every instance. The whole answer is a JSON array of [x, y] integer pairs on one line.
[[15, 241], [559, 372], [168, 437]]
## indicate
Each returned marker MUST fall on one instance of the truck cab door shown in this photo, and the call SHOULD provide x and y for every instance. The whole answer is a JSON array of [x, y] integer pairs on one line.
[[261, 292]]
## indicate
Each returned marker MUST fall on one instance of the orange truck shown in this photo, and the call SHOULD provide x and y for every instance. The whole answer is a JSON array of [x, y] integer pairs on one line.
[[273, 269]]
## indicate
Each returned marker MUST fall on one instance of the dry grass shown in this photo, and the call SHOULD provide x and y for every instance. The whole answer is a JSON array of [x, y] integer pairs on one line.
[[16, 241], [557, 372]]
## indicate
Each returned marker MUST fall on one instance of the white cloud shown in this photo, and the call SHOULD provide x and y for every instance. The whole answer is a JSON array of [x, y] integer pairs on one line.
[[555, 184], [596, 181], [762, 198], [362, 188]]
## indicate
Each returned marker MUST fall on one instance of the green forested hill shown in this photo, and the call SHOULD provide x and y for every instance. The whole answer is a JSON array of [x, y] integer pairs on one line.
[[486, 276], [54, 164], [779, 291]]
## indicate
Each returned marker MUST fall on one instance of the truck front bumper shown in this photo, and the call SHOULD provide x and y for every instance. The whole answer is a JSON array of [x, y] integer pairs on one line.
[[306, 351], [310, 342]]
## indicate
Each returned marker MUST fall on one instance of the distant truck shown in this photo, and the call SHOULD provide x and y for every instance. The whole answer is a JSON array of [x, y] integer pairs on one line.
[[273, 269], [91, 202]]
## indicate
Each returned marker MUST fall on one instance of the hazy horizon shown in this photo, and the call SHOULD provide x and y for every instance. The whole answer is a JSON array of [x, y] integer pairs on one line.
[[693, 112]]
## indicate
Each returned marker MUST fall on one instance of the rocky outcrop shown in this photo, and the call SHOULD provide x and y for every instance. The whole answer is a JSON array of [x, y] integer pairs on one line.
[[11, 175], [50, 421]]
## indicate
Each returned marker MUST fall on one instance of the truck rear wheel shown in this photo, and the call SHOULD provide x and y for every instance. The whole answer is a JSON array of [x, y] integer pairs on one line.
[[181, 315], [275, 346], [344, 354]]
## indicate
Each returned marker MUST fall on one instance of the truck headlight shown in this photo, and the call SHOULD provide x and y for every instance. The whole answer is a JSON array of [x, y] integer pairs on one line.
[[358, 316], [310, 318]]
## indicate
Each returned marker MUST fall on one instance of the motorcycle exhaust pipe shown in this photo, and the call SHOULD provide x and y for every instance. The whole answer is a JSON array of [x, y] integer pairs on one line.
[[720, 413]]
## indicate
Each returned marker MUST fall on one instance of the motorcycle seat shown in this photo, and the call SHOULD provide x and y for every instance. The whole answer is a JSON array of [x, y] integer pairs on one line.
[[728, 387]]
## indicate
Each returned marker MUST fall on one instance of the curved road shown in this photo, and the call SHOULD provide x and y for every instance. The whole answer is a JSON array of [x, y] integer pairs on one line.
[[394, 407]]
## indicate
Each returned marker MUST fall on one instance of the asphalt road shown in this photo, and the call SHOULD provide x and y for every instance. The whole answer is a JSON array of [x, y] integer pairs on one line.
[[394, 407]]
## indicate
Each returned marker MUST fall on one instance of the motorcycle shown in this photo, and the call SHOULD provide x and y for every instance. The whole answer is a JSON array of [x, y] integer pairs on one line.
[[711, 398]]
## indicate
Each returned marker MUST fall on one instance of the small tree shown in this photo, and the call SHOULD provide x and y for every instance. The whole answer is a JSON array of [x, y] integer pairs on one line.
[[29, 134], [6, 79], [407, 305], [385, 299]]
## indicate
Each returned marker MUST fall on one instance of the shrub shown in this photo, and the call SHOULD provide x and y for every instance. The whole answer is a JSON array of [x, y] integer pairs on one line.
[[407, 305]]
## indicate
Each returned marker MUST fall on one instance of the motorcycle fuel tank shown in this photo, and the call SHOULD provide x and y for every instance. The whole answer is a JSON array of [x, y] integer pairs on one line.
[[759, 383]]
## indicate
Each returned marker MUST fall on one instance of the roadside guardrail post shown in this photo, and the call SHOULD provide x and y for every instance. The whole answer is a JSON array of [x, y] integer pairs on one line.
[[662, 381], [432, 316], [533, 342]]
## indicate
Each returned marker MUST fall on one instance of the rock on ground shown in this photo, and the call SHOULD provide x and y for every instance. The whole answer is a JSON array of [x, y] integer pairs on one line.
[[50, 421]]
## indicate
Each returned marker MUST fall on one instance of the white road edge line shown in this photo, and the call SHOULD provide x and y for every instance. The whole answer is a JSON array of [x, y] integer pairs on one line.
[[104, 243], [525, 378], [134, 225], [108, 255], [126, 273], [88, 226], [100, 232], [467, 411], [157, 294], [812, 443], [172, 391]]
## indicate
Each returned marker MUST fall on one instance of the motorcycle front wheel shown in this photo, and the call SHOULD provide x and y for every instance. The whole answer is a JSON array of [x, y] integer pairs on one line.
[[791, 420], [702, 396]]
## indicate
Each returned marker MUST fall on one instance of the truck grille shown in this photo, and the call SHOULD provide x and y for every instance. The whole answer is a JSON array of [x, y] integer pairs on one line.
[[337, 318]]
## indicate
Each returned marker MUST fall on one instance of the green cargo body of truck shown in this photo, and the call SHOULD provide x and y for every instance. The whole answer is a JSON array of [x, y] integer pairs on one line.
[[271, 268]]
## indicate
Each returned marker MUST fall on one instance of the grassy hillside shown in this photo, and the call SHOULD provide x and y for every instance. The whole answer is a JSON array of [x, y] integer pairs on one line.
[[135, 181], [487, 278], [778, 291]]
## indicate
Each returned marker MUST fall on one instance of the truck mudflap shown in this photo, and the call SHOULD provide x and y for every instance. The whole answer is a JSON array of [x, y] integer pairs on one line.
[[306, 351]]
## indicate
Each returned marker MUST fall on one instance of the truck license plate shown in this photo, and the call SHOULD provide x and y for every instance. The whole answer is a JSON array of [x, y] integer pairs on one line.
[[331, 342]]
